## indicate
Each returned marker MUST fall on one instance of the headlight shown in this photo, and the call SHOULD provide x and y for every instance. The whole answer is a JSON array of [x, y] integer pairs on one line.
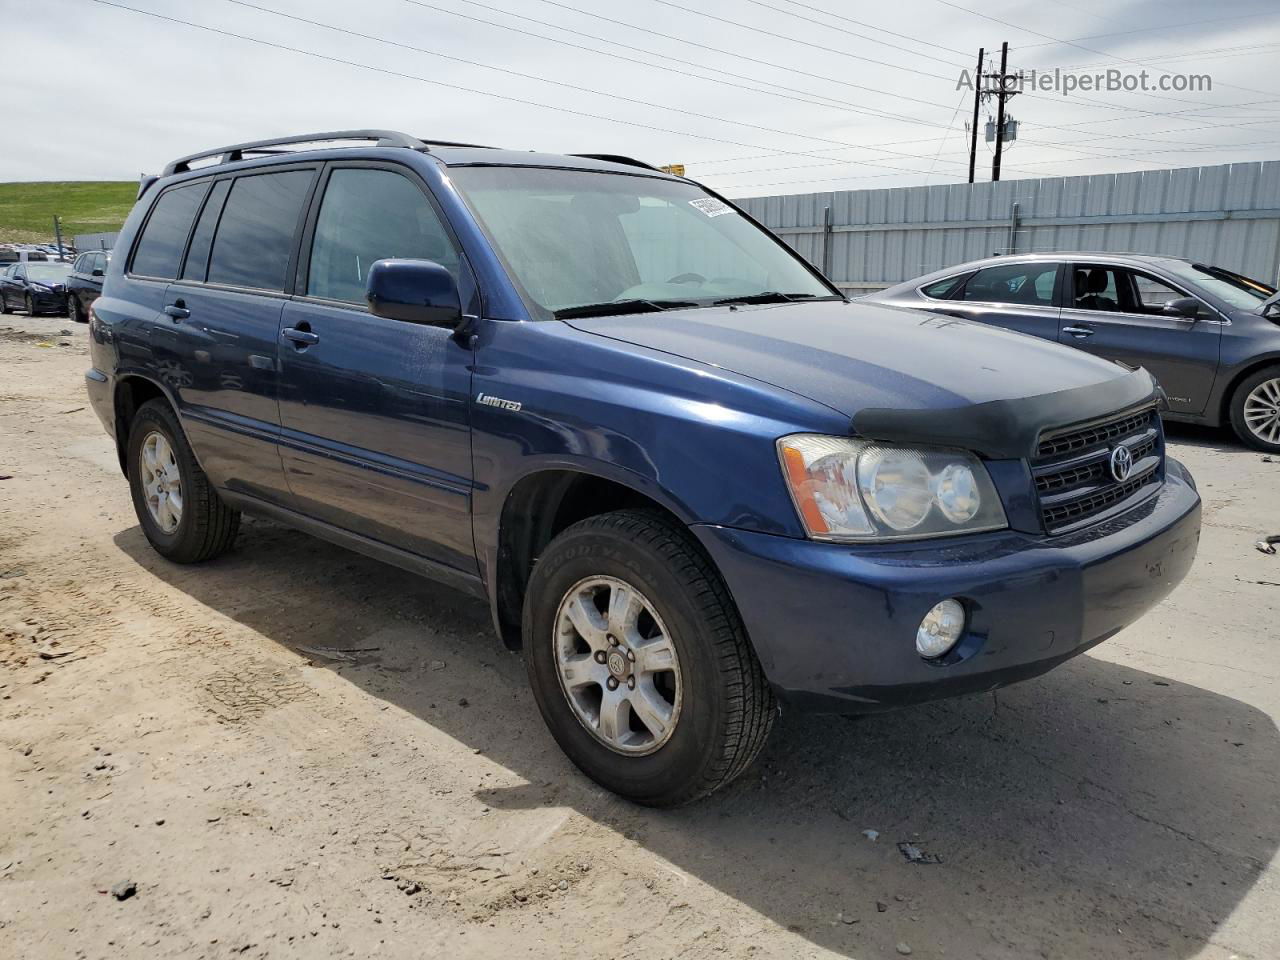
[[861, 490]]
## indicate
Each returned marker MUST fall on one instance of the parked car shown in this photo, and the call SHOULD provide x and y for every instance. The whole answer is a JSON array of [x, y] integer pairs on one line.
[[1208, 335], [84, 284], [36, 287], [689, 477], [19, 255]]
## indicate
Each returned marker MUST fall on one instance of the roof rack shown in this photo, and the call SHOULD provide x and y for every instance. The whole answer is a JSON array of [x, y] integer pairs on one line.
[[235, 152], [617, 158]]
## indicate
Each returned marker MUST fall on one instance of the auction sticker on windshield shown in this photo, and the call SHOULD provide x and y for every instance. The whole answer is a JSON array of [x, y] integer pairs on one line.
[[711, 206]]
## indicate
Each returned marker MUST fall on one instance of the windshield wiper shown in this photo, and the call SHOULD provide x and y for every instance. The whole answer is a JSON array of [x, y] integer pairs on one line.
[[768, 296], [610, 308]]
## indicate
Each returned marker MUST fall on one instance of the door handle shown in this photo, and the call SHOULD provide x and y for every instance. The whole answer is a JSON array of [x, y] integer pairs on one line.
[[1078, 332], [177, 310], [301, 338]]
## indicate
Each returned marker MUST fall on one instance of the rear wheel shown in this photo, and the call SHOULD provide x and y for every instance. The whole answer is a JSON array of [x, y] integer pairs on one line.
[[1255, 410], [180, 512], [639, 661]]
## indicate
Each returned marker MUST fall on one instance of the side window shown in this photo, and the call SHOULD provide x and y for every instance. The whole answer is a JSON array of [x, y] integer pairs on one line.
[[80, 265], [369, 215], [944, 289], [202, 240], [1153, 294], [1029, 283], [255, 235], [159, 251], [1096, 288]]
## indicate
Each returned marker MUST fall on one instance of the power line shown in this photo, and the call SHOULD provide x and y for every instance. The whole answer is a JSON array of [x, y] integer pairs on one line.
[[822, 101], [1156, 29], [580, 89], [739, 55], [806, 43], [472, 90], [854, 33], [1101, 53], [860, 23]]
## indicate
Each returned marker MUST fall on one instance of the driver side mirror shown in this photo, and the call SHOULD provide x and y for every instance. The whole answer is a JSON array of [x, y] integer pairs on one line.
[[97, 272], [414, 291], [1187, 308]]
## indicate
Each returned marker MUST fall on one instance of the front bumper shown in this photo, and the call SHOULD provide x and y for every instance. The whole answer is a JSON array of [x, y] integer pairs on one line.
[[834, 625], [48, 299]]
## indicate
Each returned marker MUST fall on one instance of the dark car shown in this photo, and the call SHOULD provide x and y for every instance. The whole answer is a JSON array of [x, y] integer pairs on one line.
[[1207, 334], [689, 477], [85, 283], [36, 287]]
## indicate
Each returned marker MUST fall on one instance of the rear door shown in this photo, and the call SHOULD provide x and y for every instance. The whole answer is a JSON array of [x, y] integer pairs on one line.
[[376, 434], [1117, 312], [223, 320], [1016, 296]]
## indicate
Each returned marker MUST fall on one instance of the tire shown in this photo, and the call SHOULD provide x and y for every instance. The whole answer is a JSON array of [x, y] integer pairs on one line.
[[28, 305], [1258, 394], [717, 700], [205, 526], [74, 309], [4, 305]]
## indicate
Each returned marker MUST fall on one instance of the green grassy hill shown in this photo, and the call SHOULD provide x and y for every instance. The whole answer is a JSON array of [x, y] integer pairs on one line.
[[86, 206]]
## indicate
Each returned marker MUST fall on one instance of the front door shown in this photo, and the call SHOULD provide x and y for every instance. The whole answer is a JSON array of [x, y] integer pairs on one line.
[[376, 433], [1117, 313]]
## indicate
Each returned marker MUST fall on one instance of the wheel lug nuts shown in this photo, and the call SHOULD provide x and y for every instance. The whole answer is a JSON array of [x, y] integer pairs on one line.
[[631, 683], [613, 641], [612, 683], [631, 655], [600, 657]]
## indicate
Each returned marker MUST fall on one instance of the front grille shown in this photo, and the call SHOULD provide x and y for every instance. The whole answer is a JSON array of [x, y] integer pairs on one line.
[[1072, 469]]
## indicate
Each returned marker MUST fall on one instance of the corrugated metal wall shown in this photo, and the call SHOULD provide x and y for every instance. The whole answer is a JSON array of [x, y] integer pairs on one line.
[[95, 241], [1227, 215]]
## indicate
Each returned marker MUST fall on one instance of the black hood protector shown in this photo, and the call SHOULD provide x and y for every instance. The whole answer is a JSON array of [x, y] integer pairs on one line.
[[1009, 429]]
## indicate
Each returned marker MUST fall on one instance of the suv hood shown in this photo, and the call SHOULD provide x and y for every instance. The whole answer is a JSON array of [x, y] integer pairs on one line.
[[898, 374]]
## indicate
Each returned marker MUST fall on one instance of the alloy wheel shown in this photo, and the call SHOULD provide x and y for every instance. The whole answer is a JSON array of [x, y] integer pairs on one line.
[[617, 665], [161, 481], [1262, 411]]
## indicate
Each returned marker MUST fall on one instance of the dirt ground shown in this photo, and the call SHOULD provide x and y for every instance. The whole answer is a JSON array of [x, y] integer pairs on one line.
[[297, 752]]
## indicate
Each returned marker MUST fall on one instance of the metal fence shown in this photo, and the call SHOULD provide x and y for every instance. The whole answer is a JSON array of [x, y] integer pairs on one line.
[[95, 241], [864, 240]]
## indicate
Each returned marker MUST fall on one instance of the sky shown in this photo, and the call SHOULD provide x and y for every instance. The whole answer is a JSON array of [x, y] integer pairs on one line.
[[755, 97]]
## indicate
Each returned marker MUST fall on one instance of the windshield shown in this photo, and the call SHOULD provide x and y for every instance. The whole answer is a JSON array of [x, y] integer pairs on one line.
[[572, 239], [48, 272], [1239, 291]]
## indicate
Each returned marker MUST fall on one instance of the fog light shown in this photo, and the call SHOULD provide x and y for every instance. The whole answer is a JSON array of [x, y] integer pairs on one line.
[[940, 629]]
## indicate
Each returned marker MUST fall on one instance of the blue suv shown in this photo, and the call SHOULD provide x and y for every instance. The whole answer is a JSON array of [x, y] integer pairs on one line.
[[690, 478]]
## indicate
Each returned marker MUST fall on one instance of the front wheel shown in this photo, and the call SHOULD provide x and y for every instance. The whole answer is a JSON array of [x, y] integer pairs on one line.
[[1255, 410], [181, 514], [29, 305], [639, 661], [75, 310]]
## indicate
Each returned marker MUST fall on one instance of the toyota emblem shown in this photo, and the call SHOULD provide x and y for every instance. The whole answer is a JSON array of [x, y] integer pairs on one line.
[[1121, 464]]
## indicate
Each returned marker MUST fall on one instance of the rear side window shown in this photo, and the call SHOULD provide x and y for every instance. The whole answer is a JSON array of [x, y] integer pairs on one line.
[[369, 215], [159, 250], [255, 234], [1029, 283], [202, 240], [943, 289]]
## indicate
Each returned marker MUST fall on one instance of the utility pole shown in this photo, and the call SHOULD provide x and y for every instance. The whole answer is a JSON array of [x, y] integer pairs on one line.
[[57, 232], [977, 100], [1002, 93]]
